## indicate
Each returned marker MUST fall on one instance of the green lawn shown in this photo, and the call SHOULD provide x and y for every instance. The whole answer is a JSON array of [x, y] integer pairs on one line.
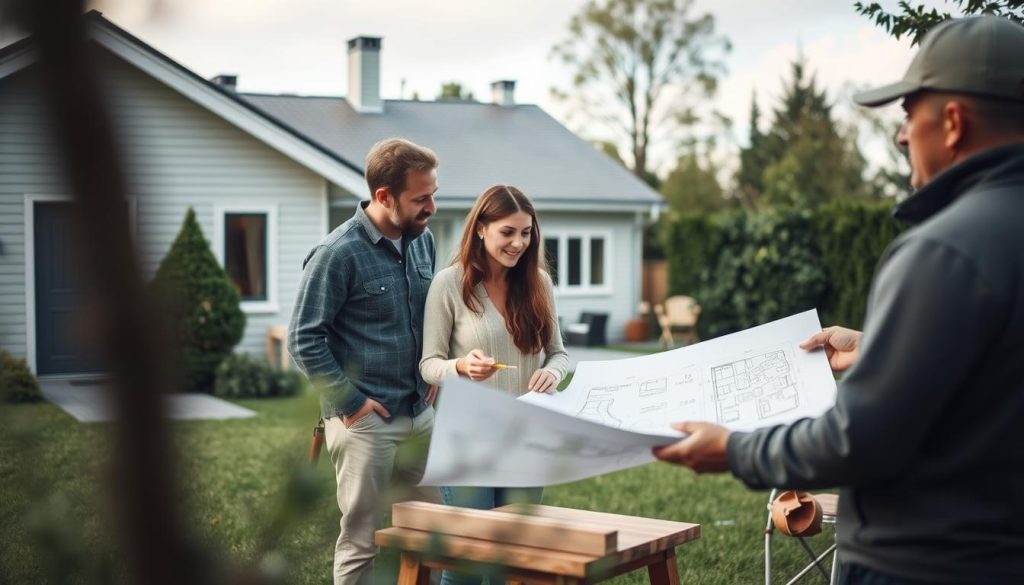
[[236, 474]]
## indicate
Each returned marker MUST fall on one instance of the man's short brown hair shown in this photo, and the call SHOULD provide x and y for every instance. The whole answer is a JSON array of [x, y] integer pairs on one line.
[[389, 161]]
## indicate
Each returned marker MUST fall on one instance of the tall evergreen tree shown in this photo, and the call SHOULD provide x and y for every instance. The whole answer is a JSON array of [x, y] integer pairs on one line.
[[203, 305], [753, 159], [803, 160]]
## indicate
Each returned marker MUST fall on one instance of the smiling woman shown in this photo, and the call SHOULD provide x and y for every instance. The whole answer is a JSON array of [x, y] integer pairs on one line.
[[491, 317]]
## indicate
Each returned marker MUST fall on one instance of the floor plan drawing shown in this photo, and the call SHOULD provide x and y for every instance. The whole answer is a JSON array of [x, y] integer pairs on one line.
[[754, 388], [652, 387]]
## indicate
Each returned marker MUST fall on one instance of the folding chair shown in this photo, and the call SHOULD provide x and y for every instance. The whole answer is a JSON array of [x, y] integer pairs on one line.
[[829, 512]]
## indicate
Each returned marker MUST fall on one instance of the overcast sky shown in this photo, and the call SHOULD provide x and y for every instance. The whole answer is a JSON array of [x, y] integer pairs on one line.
[[298, 46]]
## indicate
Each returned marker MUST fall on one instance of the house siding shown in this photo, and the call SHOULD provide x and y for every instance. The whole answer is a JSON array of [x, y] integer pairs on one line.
[[177, 155]]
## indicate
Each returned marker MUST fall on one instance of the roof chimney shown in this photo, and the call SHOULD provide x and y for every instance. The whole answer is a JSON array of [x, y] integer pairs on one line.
[[229, 82], [364, 75], [503, 93]]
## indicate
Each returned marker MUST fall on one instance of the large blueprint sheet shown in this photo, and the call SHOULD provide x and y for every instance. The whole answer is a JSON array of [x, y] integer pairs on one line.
[[750, 379], [613, 412]]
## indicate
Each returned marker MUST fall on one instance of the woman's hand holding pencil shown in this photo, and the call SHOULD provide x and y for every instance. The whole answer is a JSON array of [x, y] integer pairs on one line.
[[477, 366]]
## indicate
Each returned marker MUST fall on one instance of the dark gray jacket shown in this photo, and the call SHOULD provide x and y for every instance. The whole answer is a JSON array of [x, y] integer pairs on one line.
[[927, 434]]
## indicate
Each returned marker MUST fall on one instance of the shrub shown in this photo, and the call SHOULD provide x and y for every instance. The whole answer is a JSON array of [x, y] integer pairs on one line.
[[766, 268], [243, 376], [692, 241], [851, 237], [202, 305], [17, 384], [746, 269]]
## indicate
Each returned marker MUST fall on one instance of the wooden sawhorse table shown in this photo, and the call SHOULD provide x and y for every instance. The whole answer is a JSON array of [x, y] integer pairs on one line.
[[533, 544]]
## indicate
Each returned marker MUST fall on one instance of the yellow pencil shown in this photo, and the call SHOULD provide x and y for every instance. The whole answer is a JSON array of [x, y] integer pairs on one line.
[[502, 366]]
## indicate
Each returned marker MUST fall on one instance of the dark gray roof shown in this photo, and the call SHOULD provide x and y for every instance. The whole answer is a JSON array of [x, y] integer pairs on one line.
[[478, 145]]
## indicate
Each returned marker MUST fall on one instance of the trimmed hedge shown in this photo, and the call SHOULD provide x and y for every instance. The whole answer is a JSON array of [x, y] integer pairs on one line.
[[17, 384], [244, 376], [746, 269], [851, 238], [202, 305]]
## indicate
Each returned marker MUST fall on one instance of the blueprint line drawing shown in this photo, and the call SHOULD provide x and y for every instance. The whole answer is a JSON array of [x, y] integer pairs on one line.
[[754, 388], [742, 381]]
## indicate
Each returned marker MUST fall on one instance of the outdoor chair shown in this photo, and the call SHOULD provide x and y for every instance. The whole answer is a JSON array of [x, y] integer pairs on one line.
[[829, 513], [678, 314], [589, 331]]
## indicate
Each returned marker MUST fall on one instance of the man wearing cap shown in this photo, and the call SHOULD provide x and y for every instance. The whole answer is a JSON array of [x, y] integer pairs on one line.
[[926, 439]]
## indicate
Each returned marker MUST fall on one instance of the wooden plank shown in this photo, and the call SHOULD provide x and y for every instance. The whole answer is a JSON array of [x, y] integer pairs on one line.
[[483, 551], [636, 535], [507, 526]]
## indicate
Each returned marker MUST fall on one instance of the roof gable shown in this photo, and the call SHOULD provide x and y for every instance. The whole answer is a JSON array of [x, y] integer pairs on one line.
[[223, 103]]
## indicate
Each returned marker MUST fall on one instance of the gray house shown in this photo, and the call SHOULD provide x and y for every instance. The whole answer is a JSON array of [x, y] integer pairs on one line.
[[270, 175]]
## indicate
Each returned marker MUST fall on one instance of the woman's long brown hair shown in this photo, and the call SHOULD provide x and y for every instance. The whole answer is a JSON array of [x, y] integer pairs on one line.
[[528, 312]]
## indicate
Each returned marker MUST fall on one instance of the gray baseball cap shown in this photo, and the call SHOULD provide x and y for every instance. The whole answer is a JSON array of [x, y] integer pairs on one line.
[[980, 56]]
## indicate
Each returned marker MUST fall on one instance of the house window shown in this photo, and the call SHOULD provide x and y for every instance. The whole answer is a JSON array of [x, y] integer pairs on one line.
[[245, 242], [245, 253], [551, 255], [596, 261], [579, 261]]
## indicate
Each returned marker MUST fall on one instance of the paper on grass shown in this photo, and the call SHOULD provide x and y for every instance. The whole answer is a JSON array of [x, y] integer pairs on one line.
[[614, 411]]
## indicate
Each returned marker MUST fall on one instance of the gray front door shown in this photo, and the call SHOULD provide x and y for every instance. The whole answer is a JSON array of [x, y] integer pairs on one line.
[[64, 340]]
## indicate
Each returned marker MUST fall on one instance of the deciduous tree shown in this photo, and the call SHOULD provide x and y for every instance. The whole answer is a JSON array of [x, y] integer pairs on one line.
[[639, 65]]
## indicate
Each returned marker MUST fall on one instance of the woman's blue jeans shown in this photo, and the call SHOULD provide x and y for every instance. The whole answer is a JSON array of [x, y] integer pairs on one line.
[[483, 498]]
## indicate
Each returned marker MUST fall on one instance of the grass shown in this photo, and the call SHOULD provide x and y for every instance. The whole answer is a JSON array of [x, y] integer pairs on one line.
[[234, 476]]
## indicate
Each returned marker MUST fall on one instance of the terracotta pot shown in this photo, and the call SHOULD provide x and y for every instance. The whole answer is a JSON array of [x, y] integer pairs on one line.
[[797, 514], [636, 330]]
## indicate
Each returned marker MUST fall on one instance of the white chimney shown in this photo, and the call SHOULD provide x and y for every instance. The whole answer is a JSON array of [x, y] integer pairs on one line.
[[364, 75], [503, 92], [227, 81]]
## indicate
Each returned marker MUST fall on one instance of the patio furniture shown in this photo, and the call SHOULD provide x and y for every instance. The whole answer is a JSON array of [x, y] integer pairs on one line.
[[678, 314], [829, 515], [589, 331], [277, 346]]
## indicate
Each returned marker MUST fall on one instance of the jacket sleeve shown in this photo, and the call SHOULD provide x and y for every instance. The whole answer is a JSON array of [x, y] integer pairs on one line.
[[438, 324], [930, 319], [556, 359], [323, 291]]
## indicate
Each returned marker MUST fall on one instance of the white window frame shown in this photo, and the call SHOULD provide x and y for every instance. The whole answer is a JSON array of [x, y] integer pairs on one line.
[[270, 305], [563, 237]]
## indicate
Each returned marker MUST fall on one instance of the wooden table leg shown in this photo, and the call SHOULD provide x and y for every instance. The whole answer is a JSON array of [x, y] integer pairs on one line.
[[412, 572], [664, 572]]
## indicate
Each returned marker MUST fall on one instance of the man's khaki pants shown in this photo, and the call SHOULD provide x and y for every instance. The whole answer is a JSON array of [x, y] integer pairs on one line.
[[376, 463]]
